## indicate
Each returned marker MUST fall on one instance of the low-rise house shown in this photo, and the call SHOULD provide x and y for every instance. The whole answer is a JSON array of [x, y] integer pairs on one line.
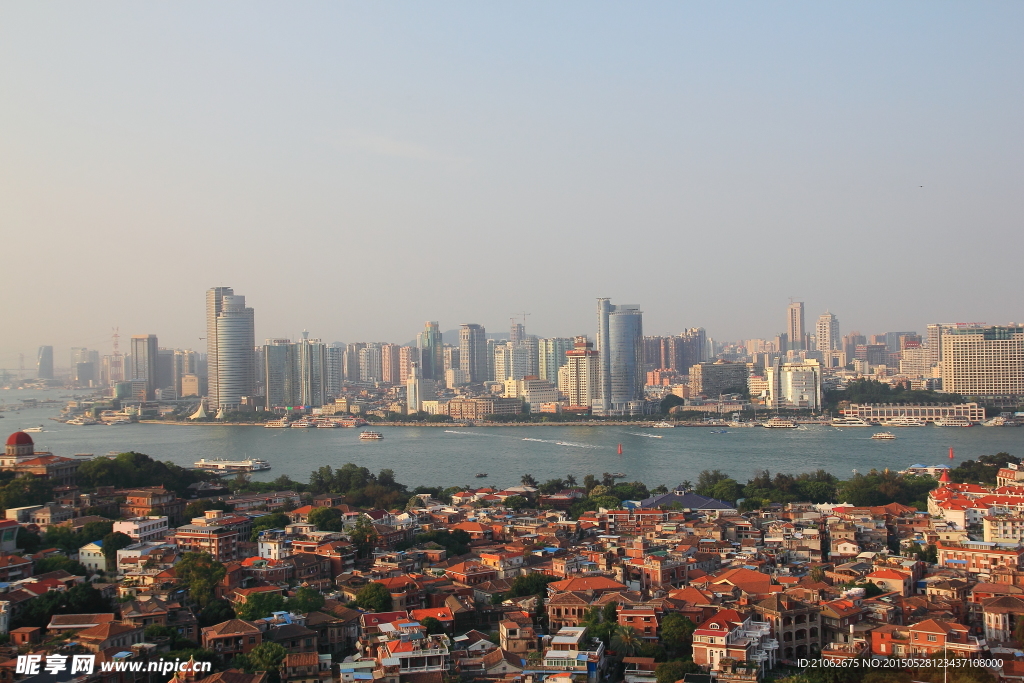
[[91, 556], [142, 529], [730, 637], [108, 635], [77, 622], [231, 637]]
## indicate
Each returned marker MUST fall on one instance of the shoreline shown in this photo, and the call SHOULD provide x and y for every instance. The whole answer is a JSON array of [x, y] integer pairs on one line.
[[369, 425]]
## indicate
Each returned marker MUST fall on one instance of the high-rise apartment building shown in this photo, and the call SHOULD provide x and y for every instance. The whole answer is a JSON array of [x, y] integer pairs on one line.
[[551, 355], [389, 363], [234, 373], [620, 352], [581, 373], [431, 347], [44, 362], [407, 355], [312, 357], [144, 362], [351, 361], [335, 368], [473, 352], [370, 363], [281, 374], [794, 385], [417, 389], [984, 361], [795, 330], [711, 380], [451, 357], [826, 333]]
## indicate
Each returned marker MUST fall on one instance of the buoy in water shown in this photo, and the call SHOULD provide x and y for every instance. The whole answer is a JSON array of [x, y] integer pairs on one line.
[[620, 449]]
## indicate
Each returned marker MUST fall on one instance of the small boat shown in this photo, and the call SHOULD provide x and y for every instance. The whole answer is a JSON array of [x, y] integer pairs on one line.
[[481, 475], [221, 465], [33, 430], [718, 431], [120, 421], [883, 436], [82, 422], [370, 436], [779, 423], [663, 425], [618, 475]]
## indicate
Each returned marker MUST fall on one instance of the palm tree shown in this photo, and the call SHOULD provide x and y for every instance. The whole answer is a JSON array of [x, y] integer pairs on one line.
[[570, 481], [686, 485], [626, 641], [528, 480], [818, 574]]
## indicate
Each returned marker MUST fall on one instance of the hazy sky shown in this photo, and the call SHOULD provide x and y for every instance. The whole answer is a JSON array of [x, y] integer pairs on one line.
[[357, 168]]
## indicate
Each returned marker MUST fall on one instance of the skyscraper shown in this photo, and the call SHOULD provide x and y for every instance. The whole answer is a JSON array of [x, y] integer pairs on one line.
[[144, 362], [620, 352], [473, 352], [984, 361], [214, 304], [234, 370], [581, 373], [551, 355], [431, 363], [370, 363], [335, 368], [351, 361], [44, 362], [827, 333], [312, 356], [282, 373], [795, 329], [407, 355], [390, 362]]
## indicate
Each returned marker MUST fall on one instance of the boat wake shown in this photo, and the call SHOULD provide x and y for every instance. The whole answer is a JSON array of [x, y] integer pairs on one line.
[[563, 443], [649, 436]]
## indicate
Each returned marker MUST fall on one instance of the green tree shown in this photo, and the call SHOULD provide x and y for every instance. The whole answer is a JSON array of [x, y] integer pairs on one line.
[[327, 519], [516, 503], [677, 634], [306, 600], [51, 564], [817, 574], [374, 597], [111, 544], [707, 480], [200, 574], [216, 612], [276, 520], [670, 672], [626, 641], [364, 536], [528, 480], [264, 657], [261, 605], [27, 541], [530, 584], [432, 625]]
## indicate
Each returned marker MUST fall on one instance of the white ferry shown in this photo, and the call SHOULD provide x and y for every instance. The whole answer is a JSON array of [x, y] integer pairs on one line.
[[327, 424], [302, 424], [370, 436], [884, 436], [779, 423], [277, 424], [82, 422], [904, 421], [663, 425], [221, 465], [33, 430], [850, 422], [953, 421]]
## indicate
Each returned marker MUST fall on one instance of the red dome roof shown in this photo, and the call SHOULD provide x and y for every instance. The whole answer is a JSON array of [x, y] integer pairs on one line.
[[19, 439]]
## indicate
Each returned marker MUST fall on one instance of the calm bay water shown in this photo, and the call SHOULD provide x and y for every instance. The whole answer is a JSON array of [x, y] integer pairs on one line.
[[451, 456]]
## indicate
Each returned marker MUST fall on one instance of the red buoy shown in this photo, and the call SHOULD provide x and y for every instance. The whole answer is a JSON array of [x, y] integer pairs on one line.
[[620, 449], [950, 452]]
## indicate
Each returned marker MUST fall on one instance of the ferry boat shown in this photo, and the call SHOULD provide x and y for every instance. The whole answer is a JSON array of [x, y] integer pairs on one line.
[[884, 436], [999, 421], [370, 436], [302, 424], [33, 430], [953, 421], [663, 425], [903, 421], [849, 422], [779, 423], [120, 421], [82, 422], [221, 465], [327, 424], [277, 424]]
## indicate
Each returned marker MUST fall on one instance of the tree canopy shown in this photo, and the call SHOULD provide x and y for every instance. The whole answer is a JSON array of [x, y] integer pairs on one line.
[[374, 597], [199, 573]]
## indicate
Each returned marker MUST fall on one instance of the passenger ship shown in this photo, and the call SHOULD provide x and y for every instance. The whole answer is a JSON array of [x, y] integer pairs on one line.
[[779, 423], [370, 436], [850, 422], [221, 465]]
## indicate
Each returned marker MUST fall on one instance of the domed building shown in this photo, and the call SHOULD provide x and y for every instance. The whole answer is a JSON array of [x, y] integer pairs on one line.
[[20, 456]]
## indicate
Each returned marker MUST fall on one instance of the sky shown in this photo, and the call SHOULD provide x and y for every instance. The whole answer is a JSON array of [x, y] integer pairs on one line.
[[355, 169]]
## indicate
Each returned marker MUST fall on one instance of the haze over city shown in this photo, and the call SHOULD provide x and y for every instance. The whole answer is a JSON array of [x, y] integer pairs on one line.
[[357, 169]]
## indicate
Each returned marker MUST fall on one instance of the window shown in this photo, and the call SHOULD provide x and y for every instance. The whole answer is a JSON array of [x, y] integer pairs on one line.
[[931, 637], [252, 640]]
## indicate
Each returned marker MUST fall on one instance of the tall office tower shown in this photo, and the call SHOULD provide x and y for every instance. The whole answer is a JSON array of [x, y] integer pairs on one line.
[[79, 354], [795, 329], [620, 352], [165, 374], [986, 362], [214, 305], [794, 385], [351, 361], [312, 357], [531, 346], [451, 357], [335, 368], [144, 362], [517, 333], [582, 373], [551, 356], [653, 357], [235, 352], [827, 333], [389, 363], [431, 345], [473, 352], [407, 355], [281, 373], [892, 340], [851, 342], [370, 364], [44, 362]]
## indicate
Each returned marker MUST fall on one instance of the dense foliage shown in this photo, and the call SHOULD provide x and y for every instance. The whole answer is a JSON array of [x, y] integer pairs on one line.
[[136, 469], [199, 573], [260, 606], [982, 471], [359, 486], [69, 540], [81, 599], [374, 597], [871, 391], [455, 542], [881, 488]]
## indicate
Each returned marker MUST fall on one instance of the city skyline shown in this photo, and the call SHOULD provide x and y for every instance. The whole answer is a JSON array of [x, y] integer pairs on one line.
[[523, 144]]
